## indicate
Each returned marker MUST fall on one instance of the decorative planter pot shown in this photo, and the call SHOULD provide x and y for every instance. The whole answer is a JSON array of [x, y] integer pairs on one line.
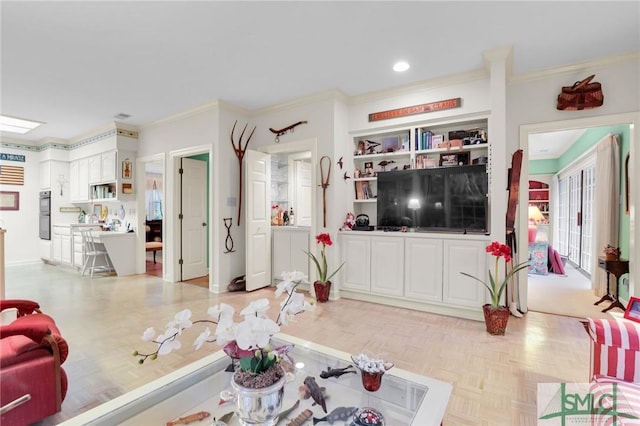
[[322, 291], [259, 406], [495, 319]]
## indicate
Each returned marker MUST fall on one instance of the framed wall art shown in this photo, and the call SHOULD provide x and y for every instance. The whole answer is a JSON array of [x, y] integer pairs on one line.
[[127, 169], [9, 200], [633, 309]]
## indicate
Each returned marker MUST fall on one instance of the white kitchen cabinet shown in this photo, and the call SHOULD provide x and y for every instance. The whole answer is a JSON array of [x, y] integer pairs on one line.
[[356, 253], [469, 257], [61, 244], [387, 265], [102, 168], [288, 250], [46, 250], [79, 180], [423, 269]]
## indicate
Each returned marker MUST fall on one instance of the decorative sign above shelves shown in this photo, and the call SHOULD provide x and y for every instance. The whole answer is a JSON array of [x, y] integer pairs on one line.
[[416, 109]]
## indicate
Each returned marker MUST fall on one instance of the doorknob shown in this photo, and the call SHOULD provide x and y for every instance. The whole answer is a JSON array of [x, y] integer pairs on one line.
[[204, 224]]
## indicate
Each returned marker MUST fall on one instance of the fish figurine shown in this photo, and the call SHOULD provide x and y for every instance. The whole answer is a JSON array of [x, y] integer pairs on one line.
[[336, 372], [316, 392], [340, 413]]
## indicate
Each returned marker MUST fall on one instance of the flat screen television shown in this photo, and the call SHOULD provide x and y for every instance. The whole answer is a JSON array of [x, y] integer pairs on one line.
[[444, 199]]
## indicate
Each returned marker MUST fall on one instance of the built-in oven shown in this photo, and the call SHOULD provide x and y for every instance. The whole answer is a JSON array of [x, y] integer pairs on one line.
[[44, 217]]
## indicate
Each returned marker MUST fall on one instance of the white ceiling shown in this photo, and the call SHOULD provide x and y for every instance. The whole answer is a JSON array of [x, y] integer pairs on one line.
[[544, 146], [75, 65]]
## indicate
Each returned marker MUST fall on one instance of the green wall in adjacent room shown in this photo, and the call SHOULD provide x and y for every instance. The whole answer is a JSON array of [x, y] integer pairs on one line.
[[587, 141]]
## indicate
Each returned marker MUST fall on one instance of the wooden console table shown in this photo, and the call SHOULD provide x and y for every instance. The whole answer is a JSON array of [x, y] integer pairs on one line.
[[618, 268]]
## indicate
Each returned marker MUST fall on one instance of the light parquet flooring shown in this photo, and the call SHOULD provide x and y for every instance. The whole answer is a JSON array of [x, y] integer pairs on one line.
[[494, 378]]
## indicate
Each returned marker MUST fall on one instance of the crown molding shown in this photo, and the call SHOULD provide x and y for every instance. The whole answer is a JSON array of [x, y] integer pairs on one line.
[[183, 114], [574, 68], [333, 94], [465, 77]]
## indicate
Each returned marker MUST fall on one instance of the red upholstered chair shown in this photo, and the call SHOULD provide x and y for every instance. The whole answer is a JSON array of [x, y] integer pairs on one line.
[[31, 353]]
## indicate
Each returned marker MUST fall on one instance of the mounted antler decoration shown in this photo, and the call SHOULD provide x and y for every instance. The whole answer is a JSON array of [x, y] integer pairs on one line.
[[240, 154], [284, 130]]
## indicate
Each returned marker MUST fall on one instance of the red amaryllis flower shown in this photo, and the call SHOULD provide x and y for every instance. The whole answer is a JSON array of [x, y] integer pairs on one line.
[[321, 265], [496, 288], [324, 239]]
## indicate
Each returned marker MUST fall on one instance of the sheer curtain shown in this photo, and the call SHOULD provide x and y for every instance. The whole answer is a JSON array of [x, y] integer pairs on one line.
[[607, 206]]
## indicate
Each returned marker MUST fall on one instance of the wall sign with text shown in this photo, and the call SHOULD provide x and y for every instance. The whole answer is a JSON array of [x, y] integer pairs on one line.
[[416, 109]]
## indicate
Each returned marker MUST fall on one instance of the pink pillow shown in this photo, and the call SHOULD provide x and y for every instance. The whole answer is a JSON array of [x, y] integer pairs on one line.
[[556, 262]]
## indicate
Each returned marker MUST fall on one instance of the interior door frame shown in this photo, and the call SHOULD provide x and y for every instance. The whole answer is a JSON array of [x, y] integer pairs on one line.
[[294, 147], [173, 254], [633, 120]]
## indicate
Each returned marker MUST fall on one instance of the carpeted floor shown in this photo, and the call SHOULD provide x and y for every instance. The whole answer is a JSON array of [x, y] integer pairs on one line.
[[568, 295]]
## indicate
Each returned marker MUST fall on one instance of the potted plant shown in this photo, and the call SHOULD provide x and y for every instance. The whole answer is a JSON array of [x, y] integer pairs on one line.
[[322, 286], [496, 316], [258, 379]]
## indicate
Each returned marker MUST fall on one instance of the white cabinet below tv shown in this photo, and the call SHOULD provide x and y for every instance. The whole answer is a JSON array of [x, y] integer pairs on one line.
[[415, 270]]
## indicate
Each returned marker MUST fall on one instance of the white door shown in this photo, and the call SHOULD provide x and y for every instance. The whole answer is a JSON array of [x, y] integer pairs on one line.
[[303, 193], [194, 222], [257, 218]]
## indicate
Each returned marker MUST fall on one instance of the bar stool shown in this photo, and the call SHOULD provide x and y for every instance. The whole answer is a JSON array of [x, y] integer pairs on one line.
[[93, 250]]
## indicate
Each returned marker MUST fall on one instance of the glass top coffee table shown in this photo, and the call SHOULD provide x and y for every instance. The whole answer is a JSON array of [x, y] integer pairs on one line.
[[404, 398]]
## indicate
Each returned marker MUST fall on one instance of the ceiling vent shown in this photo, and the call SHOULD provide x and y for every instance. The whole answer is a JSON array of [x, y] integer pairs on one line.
[[121, 116]]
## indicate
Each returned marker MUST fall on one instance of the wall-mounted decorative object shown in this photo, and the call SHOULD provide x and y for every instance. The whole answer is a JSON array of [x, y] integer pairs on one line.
[[12, 157], [324, 180], [97, 210], [9, 200], [284, 130], [228, 242], [240, 154], [127, 188], [11, 175], [70, 210], [416, 109], [127, 169], [582, 95]]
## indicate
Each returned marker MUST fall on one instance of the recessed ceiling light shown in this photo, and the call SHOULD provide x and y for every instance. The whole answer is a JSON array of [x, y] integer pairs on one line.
[[17, 125], [121, 116], [400, 66]]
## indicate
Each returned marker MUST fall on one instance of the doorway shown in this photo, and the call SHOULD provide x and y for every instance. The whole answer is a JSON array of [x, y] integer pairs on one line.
[[154, 202], [570, 211], [305, 153], [192, 213]]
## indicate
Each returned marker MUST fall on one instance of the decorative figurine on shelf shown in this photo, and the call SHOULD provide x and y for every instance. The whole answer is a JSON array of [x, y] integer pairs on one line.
[[361, 148], [356, 173], [368, 168], [349, 222]]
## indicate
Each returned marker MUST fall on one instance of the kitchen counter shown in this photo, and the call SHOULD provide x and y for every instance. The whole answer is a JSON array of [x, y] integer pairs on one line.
[[121, 249]]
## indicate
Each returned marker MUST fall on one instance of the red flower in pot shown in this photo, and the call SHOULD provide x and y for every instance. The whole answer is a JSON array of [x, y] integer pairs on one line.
[[323, 285]]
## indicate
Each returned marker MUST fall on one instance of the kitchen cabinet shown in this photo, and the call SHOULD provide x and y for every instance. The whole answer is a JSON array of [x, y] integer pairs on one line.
[[79, 180], [387, 266], [61, 244], [102, 168], [288, 250], [45, 175]]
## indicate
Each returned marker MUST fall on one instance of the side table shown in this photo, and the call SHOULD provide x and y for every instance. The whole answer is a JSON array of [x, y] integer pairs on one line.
[[617, 267]]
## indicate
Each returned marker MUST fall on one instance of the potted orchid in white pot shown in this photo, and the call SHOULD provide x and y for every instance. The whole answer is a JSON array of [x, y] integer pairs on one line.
[[259, 378]]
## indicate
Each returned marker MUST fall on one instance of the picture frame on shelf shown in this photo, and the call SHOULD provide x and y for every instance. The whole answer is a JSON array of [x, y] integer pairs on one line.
[[97, 210], [9, 200], [632, 312], [455, 159]]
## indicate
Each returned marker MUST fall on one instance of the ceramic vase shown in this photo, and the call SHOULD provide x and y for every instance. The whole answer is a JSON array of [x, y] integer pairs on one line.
[[495, 319], [259, 407], [322, 291]]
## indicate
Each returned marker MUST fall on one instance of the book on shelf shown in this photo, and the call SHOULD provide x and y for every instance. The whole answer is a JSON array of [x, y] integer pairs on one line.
[[363, 190]]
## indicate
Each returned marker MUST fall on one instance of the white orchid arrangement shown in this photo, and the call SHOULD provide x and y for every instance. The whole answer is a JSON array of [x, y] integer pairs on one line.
[[247, 340]]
